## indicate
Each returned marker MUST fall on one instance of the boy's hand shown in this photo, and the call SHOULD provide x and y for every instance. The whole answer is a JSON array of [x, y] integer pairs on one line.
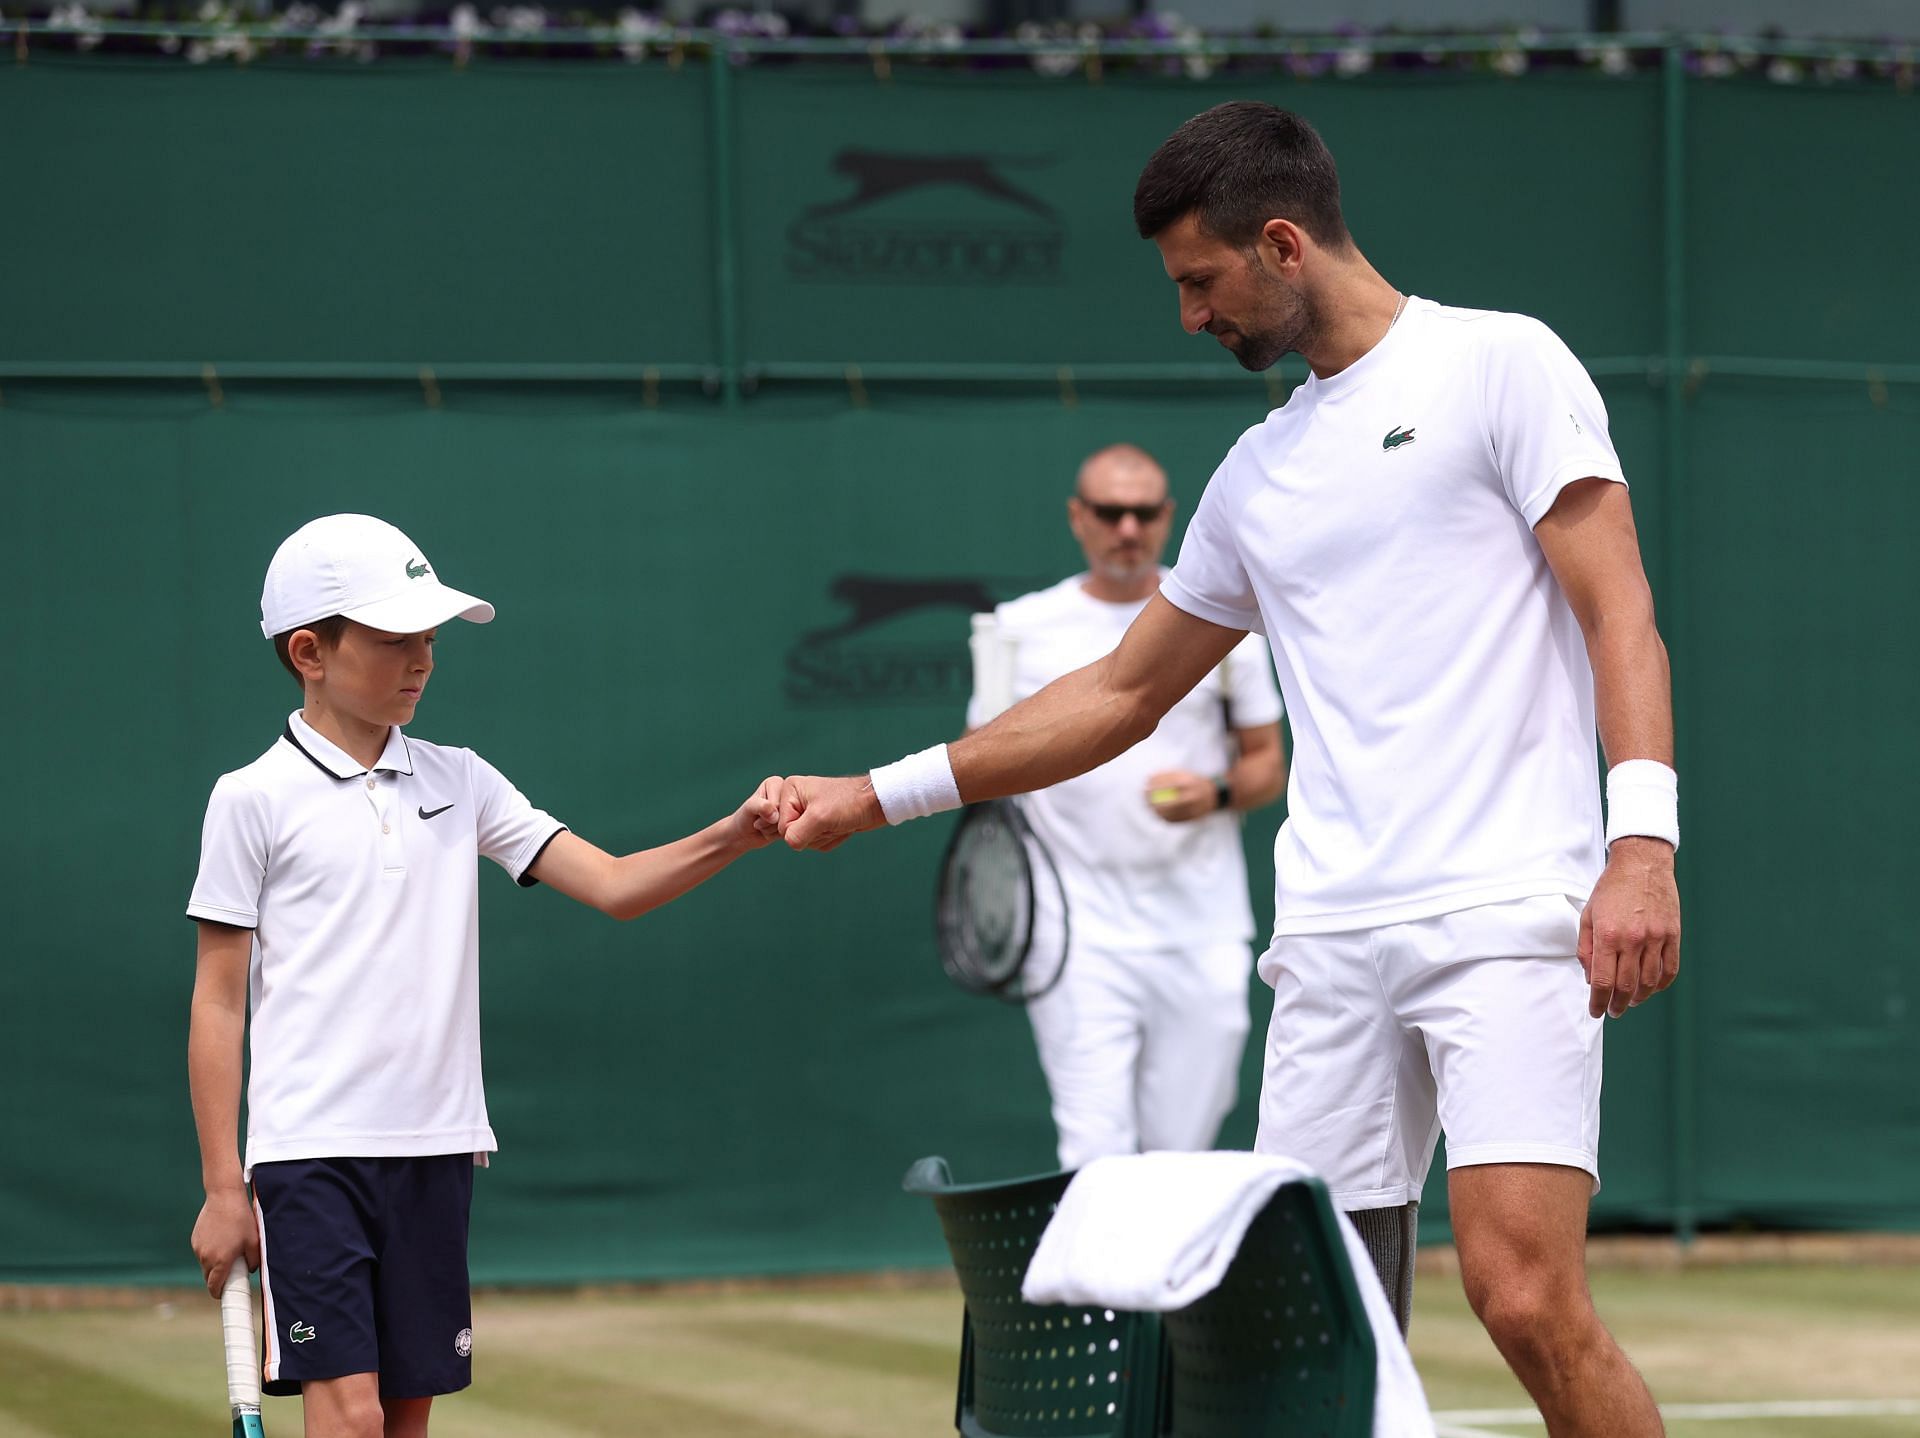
[[225, 1233], [757, 822]]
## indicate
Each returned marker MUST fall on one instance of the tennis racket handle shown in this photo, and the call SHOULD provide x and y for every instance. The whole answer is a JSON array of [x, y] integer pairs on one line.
[[993, 653], [243, 1363]]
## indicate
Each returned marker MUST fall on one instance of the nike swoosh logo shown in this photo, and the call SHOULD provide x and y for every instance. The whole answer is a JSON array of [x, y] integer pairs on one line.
[[429, 813]]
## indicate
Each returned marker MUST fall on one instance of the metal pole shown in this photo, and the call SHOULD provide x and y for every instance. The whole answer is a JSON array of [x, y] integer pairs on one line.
[[1673, 569], [726, 277]]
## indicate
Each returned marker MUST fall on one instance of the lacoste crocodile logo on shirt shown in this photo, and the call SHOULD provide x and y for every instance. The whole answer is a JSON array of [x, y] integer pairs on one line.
[[1397, 437], [426, 813]]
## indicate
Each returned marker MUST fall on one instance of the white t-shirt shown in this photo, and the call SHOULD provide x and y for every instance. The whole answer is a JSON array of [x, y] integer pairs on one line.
[[1378, 530], [362, 890], [1133, 880]]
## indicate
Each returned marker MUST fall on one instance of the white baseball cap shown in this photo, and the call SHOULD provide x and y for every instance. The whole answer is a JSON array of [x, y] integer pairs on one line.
[[364, 568]]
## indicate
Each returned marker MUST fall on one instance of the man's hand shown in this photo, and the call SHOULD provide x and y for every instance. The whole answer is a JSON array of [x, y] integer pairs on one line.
[[1180, 797], [823, 814], [1630, 930], [756, 823], [225, 1234]]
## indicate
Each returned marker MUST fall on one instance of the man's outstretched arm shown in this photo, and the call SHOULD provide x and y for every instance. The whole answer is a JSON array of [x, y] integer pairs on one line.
[[1076, 723]]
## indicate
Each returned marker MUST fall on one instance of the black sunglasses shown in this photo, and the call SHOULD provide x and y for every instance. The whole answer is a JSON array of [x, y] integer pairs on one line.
[[1114, 513]]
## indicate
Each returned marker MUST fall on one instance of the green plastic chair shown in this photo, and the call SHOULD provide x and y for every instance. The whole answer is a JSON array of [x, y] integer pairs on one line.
[[1028, 1371], [1282, 1348]]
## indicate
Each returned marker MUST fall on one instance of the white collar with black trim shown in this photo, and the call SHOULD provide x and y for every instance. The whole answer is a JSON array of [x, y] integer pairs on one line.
[[330, 758]]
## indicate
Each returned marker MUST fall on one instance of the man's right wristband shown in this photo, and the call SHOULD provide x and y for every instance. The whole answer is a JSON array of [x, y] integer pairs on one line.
[[916, 786]]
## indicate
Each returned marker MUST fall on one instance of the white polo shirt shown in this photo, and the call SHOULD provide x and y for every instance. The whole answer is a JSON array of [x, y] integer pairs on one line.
[[362, 891], [1133, 880], [1378, 529]]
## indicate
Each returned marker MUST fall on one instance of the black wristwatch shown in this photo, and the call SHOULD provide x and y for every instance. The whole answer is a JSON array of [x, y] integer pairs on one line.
[[1222, 794]]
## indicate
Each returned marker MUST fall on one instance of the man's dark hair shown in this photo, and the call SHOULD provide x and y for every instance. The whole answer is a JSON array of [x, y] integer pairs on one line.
[[327, 631], [1237, 166]]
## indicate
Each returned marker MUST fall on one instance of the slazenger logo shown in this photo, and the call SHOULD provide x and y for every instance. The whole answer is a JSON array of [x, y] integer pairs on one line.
[[928, 218], [904, 642]]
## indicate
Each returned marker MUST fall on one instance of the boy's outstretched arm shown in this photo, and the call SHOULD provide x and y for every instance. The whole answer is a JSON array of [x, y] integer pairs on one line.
[[225, 1230], [631, 884]]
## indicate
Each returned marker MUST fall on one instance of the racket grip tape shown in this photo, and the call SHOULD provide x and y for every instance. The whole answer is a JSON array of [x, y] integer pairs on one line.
[[243, 1357]]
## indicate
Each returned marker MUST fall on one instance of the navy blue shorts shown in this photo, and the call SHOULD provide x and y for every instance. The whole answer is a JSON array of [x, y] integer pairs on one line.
[[363, 1268]]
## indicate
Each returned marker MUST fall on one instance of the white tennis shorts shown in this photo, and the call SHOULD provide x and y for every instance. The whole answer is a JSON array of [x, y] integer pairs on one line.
[[1474, 1022]]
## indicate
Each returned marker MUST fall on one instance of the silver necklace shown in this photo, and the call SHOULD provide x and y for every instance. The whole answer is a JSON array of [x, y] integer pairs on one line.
[[1396, 313]]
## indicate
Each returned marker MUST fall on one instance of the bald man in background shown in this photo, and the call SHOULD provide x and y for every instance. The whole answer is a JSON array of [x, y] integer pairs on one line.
[[1142, 1038]]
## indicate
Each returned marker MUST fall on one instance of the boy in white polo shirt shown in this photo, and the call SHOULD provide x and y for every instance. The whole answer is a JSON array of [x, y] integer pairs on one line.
[[337, 904]]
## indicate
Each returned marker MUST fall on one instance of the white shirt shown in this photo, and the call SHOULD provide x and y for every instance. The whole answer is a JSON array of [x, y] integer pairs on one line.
[[362, 890], [1437, 681], [1132, 879]]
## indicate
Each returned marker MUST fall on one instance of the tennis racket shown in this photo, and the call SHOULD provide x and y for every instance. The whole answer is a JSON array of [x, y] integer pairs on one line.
[[243, 1358], [1000, 912]]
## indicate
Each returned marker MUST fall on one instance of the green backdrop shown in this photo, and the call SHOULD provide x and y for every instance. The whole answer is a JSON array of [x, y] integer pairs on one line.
[[736, 1083]]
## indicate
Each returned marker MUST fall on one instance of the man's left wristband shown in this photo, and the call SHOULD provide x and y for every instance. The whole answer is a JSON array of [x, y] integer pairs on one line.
[[1222, 795], [916, 786], [1643, 798]]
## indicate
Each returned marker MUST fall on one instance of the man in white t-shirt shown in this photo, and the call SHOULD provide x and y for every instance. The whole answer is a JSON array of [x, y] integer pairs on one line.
[[1141, 1038], [1434, 534]]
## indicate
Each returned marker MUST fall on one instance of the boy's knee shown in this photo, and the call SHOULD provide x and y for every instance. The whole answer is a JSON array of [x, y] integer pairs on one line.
[[353, 1412]]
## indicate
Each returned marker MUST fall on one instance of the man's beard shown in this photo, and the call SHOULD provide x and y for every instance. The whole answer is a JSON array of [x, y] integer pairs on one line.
[[1281, 328], [1118, 571]]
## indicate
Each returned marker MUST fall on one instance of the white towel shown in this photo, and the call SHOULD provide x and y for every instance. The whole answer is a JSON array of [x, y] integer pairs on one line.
[[1153, 1232]]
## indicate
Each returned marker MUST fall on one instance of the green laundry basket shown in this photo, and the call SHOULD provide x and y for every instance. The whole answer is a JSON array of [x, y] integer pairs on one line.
[[1282, 1348], [1029, 1371]]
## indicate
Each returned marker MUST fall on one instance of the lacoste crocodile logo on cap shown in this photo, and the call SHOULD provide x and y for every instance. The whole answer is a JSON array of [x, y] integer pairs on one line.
[[418, 571]]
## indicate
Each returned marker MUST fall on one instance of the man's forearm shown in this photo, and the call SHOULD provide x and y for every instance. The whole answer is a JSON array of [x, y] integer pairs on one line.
[[1256, 780], [1633, 691], [1076, 723]]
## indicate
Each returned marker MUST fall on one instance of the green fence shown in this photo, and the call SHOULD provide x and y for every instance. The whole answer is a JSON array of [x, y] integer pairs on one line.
[[659, 359]]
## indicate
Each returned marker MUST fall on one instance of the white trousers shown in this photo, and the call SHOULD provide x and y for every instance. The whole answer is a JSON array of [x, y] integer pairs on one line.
[[1474, 1021], [1142, 1047]]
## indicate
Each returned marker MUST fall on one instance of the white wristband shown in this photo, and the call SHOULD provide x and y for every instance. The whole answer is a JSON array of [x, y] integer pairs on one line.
[[1643, 797], [916, 786]]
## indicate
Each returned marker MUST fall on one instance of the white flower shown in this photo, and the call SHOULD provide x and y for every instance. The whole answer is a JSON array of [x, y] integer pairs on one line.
[[636, 29], [1717, 66], [1354, 60], [1783, 71], [465, 22], [1511, 62], [520, 19], [1614, 60]]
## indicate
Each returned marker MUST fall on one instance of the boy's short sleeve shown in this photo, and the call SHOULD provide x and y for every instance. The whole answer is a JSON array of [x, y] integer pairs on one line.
[[233, 856], [1545, 418], [1210, 579], [508, 830]]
